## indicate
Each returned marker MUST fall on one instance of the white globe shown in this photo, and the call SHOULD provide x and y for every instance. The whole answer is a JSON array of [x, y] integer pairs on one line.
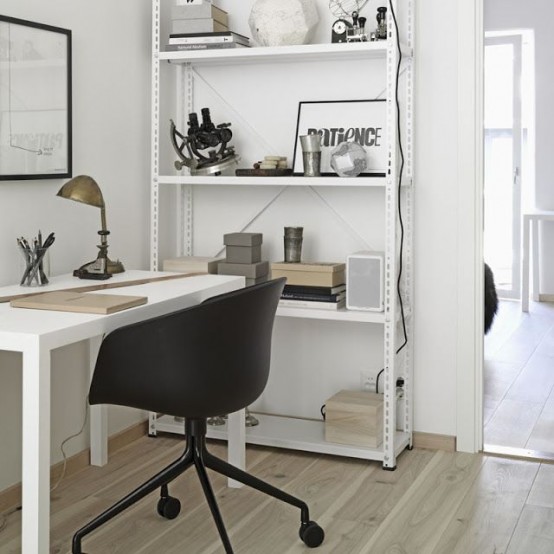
[[349, 159]]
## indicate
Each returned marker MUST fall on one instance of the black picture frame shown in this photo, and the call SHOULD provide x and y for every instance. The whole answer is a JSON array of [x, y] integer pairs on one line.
[[362, 121], [36, 101]]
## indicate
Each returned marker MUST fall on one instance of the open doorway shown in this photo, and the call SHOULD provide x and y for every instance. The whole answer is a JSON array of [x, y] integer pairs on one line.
[[518, 415]]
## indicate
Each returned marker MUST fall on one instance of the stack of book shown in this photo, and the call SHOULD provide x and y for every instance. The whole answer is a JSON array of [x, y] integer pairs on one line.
[[205, 41], [202, 26], [312, 285]]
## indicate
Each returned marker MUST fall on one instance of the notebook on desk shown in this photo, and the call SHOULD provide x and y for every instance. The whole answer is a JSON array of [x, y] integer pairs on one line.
[[68, 301]]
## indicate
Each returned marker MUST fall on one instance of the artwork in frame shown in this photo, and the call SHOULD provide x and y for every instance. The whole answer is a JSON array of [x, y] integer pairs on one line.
[[35, 100], [361, 121]]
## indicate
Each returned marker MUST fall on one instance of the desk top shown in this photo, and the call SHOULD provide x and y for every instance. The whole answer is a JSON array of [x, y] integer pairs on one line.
[[538, 214], [21, 327]]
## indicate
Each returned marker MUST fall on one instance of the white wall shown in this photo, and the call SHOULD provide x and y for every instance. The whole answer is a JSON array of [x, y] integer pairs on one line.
[[111, 102], [536, 15], [111, 118]]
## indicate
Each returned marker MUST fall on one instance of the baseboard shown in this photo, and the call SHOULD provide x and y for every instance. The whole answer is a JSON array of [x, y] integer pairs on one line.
[[11, 497], [546, 297], [432, 441]]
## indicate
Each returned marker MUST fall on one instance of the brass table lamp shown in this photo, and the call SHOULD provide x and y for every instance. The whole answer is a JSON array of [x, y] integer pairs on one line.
[[86, 190]]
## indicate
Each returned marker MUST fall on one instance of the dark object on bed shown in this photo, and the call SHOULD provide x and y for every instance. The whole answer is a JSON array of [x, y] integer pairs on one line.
[[491, 299]]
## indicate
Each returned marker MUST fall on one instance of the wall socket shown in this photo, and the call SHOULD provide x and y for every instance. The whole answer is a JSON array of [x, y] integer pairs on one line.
[[368, 380]]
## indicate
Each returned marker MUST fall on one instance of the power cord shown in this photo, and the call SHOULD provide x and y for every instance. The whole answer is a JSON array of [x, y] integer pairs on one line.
[[62, 474], [399, 183]]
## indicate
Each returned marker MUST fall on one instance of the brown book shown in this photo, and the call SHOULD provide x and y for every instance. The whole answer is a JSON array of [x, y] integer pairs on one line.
[[311, 278], [70, 301]]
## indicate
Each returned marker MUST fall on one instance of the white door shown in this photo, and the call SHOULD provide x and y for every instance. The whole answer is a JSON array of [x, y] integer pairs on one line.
[[503, 161]]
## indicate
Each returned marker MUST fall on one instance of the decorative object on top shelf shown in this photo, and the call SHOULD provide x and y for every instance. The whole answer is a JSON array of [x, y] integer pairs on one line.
[[381, 31], [349, 27], [336, 121], [293, 244], [349, 159], [213, 141], [283, 22], [86, 190], [311, 153]]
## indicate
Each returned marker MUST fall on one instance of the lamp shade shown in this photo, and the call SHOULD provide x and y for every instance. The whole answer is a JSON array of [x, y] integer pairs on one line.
[[83, 189]]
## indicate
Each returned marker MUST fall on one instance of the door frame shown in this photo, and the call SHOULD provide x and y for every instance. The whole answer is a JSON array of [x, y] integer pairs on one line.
[[469, 344]]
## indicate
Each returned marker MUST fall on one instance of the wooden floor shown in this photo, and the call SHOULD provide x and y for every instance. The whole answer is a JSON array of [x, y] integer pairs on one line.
[[519, 378], [435, 503]]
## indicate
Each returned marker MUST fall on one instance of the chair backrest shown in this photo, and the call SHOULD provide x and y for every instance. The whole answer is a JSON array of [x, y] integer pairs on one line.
[[207, 360]]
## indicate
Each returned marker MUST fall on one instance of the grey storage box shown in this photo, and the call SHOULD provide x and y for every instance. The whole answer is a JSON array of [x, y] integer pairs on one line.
[[242, 239], [251, 271], [262, 279], [244, 254]]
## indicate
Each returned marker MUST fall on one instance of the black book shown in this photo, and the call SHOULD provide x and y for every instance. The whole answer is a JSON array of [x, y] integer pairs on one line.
[[313, 297], [306, 289]]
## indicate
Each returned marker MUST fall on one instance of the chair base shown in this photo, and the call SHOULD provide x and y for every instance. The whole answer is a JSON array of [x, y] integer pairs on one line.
[[196, 454]]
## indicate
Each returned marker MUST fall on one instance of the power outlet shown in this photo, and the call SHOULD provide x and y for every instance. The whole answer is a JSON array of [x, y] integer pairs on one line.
[[368, 380]]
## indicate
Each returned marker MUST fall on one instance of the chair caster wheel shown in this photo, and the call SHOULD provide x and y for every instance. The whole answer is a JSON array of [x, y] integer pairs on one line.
[[312, 534], [169, 507]]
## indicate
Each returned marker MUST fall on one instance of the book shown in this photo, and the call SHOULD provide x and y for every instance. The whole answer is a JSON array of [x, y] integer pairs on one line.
[[314, 290], [216, 37], [71, 301], [203, 25], [312, 304], [311, 278], [324, 267], [313, 297], [203, 46], [192, 263]]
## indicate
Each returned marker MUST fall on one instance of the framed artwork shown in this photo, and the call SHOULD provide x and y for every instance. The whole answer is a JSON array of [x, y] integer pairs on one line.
[[361, 121], [35, 100]]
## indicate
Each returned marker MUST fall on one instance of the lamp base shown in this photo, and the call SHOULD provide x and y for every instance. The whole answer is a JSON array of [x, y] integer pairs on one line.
[[99, 269]]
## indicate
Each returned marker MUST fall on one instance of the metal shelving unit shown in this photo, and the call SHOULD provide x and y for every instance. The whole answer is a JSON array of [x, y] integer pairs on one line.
[[297, 433]]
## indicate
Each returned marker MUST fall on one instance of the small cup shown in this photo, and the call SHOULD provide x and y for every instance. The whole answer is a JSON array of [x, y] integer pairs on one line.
[[293, 244]]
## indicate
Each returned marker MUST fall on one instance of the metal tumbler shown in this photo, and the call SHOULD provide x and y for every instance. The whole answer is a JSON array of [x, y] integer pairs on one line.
[[293, 244]]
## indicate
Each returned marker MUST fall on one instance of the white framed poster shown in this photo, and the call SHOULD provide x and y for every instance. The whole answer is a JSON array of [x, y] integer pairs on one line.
[[336, 121], [35, 100]]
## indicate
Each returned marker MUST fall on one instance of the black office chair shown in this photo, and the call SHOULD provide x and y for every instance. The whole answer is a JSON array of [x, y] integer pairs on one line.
[[195, 363]]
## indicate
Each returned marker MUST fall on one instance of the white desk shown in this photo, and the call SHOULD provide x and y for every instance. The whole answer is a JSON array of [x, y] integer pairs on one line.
[[530, 241], [35, 333]]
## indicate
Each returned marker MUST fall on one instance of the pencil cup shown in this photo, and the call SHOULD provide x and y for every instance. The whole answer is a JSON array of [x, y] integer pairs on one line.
[[293, 244]]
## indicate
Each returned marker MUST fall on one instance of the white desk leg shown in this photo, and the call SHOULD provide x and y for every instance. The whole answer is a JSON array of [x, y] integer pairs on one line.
[[98, 416], [35, 477], [236, 453], [535, 256], [525, 265]]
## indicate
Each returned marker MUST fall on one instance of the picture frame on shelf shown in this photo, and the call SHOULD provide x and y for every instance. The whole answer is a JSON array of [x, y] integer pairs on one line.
[[361, 121], [35, 101]]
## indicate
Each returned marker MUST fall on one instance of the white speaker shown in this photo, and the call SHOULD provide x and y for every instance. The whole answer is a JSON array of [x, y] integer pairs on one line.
[[365, 281]]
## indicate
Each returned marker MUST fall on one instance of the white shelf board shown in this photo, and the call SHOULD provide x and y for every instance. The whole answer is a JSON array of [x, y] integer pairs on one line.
[[332, 315], [281, 54], [293, 433], [291, 181]]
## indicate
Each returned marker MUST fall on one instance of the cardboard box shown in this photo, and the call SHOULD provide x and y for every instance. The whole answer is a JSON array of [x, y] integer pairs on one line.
[[251, 271], [244, 254], [242, 239], [200, 264], [354, 418], [200, 25], [199, 11]]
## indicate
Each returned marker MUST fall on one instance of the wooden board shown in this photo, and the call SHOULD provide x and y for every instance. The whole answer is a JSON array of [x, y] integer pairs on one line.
[[104, 286], [71, 301]]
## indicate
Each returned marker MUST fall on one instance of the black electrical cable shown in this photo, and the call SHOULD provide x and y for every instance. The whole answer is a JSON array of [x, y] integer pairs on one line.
[[377, 380], [399, 181]]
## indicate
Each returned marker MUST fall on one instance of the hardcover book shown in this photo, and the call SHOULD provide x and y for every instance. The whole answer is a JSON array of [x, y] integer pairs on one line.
[[203, 46], [322, 267], [203, 25], [312, 304], [314, 290], [311, 278]]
